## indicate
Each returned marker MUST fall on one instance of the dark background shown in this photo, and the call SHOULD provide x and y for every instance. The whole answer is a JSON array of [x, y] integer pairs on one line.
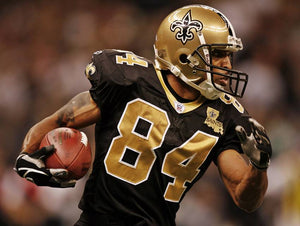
[[45, 46]]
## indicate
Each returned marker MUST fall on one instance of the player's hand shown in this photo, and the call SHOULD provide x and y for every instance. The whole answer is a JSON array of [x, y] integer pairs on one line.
[[32, 168], [257, 145]]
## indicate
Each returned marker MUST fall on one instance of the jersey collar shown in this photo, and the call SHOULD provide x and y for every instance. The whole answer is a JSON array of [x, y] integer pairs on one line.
[[179, 106]]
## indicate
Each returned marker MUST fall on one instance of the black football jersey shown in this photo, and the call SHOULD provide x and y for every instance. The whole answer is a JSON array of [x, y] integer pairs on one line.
[[151, 146]]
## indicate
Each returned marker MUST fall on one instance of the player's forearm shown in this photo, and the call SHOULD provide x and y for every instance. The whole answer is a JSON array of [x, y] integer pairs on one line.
[[79, 112], [250, 192], [35, 135]]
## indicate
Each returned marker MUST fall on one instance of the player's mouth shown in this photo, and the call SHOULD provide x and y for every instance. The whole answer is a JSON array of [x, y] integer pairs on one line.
[[223, 81]]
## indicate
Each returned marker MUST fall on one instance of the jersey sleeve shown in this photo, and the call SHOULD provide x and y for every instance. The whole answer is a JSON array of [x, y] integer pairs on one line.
[[230, 139], [108, 83]]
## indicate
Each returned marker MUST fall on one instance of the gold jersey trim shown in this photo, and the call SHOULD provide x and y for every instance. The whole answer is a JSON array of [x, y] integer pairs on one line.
[[179, 107]]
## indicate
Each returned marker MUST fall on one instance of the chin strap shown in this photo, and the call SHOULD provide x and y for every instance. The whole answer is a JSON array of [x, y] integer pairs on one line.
[[206, 87]]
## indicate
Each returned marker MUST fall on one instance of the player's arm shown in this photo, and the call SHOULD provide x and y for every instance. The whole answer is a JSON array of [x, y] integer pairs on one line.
[[245, 183], [78, 112]]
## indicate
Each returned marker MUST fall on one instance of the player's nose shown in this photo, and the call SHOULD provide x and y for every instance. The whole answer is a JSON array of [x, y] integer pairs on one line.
[[226, 62]]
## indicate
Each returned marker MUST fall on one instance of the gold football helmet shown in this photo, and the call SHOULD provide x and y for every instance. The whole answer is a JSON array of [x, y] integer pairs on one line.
[[185, 43]]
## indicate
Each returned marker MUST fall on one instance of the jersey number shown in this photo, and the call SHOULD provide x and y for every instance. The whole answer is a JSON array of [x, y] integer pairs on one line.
[[231, 100], [131, 59], [142, 129]]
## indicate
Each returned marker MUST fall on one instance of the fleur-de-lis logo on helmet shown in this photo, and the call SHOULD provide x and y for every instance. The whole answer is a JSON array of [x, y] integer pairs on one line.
[[185, 26]]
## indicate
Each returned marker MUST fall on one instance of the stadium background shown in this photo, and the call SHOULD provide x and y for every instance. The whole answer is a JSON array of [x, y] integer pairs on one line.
[[45, 46]]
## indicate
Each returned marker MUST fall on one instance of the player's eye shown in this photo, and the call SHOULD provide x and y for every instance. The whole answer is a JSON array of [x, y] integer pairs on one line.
[[216, 53]]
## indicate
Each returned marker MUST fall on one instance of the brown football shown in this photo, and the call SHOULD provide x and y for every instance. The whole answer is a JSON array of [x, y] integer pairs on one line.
[[72, 151]]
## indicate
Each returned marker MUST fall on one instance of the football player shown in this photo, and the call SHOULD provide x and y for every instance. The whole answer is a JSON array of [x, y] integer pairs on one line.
[[159, 126]]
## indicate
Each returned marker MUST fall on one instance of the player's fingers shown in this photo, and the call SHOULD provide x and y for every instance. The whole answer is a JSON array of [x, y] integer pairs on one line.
[[259, 132], [44, 152], [59, 173], [256, 125], [55, 182], [241, 133], [252, 125], [59, 178], [68, 184]]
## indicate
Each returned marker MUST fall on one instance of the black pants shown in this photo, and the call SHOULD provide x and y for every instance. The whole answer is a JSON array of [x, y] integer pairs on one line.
[[94, 219]]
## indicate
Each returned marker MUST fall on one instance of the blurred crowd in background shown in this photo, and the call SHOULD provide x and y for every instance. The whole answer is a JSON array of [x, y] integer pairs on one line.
[[45, 46]]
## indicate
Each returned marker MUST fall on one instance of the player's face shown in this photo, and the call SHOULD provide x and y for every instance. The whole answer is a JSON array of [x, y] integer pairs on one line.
[[221, 59]]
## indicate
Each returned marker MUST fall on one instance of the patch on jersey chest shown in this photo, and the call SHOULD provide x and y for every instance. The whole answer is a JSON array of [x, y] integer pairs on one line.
[[212, 122], [179, 107]]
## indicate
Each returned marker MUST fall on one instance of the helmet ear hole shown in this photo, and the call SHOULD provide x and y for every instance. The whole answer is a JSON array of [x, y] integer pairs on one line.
[[183, 59]]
